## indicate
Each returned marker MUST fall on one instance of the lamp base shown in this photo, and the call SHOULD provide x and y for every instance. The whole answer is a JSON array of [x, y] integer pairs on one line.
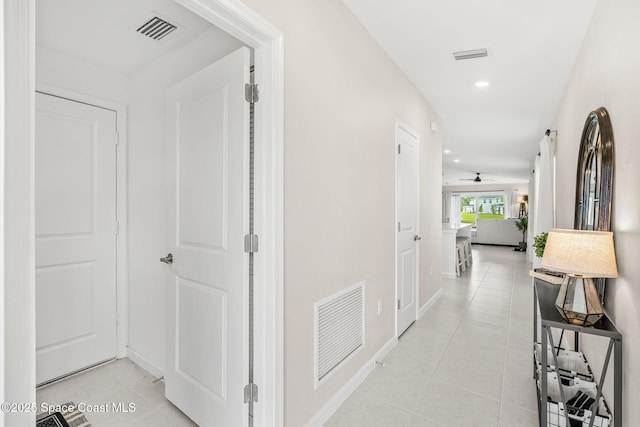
[[578, 301]]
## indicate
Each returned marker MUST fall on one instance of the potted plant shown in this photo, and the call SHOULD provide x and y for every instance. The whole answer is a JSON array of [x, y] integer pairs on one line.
[[522, 224], [539, 243]]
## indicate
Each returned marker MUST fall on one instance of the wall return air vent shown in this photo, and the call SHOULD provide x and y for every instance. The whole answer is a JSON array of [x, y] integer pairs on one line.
[[470, 54], [156, 28], [339, 321]]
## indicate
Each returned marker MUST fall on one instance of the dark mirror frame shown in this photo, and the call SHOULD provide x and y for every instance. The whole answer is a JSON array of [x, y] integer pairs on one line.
[[594, 180]]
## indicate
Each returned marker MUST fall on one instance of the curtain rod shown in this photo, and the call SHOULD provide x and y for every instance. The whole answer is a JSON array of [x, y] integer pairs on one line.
[[548, 132]]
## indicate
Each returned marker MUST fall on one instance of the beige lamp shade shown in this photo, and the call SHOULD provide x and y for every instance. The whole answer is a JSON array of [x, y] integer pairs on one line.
[[580, 252]]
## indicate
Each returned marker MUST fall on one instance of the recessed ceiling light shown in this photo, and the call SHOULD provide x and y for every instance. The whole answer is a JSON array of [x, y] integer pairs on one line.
[[447, 151], [482, 83], [456, 160]]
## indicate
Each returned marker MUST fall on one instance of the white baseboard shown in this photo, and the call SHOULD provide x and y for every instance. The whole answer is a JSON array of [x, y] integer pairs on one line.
[[450, 275], [323, 415], [423, 310], [144, 363]]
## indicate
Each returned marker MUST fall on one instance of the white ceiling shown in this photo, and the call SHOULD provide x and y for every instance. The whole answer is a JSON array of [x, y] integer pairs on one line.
[[103, 32], [532, 47], [494, 130]]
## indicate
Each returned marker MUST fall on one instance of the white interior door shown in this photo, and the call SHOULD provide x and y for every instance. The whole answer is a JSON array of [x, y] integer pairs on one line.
[[407, 208], [75, 219], [208, 140]]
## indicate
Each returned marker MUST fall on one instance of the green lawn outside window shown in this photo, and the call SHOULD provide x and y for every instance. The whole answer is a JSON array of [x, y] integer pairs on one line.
[[471, 217]]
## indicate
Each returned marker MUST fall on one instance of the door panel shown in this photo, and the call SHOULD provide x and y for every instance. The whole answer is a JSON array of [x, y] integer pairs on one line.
[[199, 358], [75, 215], [207, 137], [203, 164], [64, 168], [407, 181], [408, 281], [73, 279]]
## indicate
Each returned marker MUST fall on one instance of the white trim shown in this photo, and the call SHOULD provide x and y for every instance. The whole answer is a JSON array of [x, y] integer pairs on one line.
[[2, 197], [427, 306], [17, 105], [267, 41], [395, 228], [144, 363], [332, 405], [19, 304], [417, 294], [237, 19], [122, 249]]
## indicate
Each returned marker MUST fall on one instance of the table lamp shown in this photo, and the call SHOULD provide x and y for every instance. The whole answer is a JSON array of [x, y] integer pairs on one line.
[[581, 255], [523, 210]]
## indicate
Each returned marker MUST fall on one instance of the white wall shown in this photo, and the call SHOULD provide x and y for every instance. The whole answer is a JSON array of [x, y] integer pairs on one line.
[[607, 73], [518, 188], [59, 70], [430, 211], [342, 97]]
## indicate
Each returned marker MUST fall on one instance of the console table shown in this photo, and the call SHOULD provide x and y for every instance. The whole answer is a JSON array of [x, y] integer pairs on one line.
[[544, 296]]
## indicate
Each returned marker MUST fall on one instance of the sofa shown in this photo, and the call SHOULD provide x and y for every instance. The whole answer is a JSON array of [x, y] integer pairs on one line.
[[497, 232]]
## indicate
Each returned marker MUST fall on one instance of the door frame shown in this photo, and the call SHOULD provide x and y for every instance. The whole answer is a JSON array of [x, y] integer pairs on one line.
[[122, 255], [399, 124], [17, 256]]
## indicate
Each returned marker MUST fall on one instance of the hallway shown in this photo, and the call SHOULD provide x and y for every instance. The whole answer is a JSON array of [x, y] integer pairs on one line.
[[467, 362]]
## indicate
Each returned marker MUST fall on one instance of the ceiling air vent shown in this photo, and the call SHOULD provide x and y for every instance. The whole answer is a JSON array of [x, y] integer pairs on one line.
[[156, 28], [470, 54]]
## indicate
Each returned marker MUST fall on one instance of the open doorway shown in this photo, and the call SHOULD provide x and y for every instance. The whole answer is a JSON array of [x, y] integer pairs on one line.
[[268, 215]]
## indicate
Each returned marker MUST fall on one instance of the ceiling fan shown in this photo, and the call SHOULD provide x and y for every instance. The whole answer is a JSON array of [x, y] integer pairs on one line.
[[476, 179]]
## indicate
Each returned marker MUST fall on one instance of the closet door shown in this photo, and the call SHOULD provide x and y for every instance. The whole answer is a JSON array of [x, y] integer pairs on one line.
[[75, 209]]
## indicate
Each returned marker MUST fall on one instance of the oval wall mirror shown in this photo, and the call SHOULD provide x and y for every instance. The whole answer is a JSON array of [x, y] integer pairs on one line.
[[594, 183]]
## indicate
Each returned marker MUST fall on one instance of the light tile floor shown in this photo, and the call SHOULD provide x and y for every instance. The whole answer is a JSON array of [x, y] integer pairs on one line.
[[120, 381], [467, 362]]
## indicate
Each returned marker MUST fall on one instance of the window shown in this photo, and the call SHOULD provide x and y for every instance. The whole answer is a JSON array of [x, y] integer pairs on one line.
[[474, 206]]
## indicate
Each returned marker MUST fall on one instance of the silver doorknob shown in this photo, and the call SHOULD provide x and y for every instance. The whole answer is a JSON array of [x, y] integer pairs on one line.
[[416, 238], [167, 259]]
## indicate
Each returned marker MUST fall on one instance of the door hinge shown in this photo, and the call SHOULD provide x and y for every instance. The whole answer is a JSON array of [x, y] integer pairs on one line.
[[117, 228], [398, 148], [117, 138], [398, 304], [251, 93], [398, 227], [250, 243], [250, 393]]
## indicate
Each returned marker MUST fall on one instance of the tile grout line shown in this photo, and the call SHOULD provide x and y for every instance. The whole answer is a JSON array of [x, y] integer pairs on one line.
[[509, 326], [506, 349], [455, 331], [409, 411]]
